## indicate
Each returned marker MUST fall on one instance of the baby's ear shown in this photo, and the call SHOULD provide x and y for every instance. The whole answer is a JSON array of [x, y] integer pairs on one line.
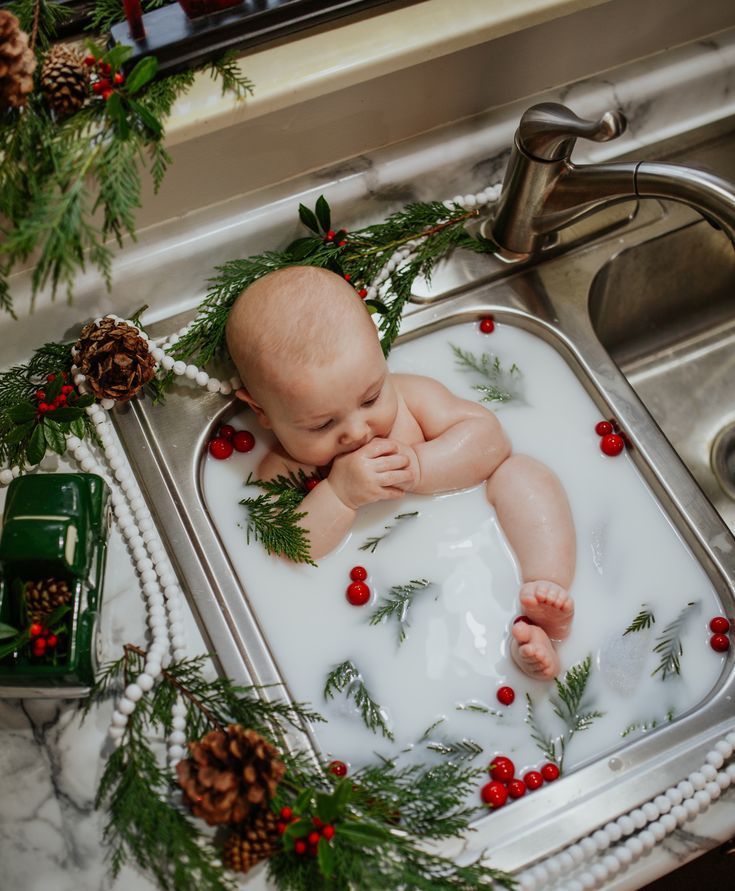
[[243, 394]]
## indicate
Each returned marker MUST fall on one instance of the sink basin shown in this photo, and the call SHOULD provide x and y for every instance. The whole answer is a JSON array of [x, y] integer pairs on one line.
[[665, 311]]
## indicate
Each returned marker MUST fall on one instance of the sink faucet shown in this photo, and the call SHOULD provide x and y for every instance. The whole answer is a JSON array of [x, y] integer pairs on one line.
[[544, 192]]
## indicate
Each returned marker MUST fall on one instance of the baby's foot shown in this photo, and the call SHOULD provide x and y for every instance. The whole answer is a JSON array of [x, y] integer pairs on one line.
[[549, 606], [533, 651]]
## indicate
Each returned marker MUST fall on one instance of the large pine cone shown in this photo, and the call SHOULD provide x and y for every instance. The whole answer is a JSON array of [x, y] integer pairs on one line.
[[246, 847], [230, 774], [17, 63], [64, 80], [44, 596], [114, 358]]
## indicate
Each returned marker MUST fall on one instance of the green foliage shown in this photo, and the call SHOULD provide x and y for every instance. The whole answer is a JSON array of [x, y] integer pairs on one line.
[[645, 726], [668, 643], [459, 748], [227, 69], [644, 619], [502, 386], [396, 605], [372, 543], [40, 19], [346, 678], [273, 518], [567, 705]]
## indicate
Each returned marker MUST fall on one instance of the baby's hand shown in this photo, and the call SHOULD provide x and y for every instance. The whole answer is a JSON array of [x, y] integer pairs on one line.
[[380, 470]]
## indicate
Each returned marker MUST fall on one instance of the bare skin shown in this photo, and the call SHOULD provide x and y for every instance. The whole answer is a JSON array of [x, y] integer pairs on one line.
[[372, 436]]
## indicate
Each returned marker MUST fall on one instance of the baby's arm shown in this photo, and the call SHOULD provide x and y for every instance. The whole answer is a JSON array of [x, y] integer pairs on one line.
[[464, 441], [371, 473]]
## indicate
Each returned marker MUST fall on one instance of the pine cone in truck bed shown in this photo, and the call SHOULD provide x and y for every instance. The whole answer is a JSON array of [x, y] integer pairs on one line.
[[229, 775], [44, 596], [114, 358]]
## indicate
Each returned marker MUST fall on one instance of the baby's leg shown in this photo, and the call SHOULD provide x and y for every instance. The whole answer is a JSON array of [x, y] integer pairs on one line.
[[534, 514]]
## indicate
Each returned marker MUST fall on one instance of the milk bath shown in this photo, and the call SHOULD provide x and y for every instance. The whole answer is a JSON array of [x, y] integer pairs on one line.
[[439, 686]]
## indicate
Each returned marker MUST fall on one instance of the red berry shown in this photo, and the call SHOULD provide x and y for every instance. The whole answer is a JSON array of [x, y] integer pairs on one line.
[[105, 67], [550, 772], [35, 630], [50, 377], [338, 768], [612, 444], [43, 407], [314, 838], [362, 293], [347, 276], [118, 78], [358, 593], [506, 695], [106, 94], [41, 395], [60, 400], [51, 641], [501, 769], [64, 375], [516, 788], [39, 646], [98, 87], [720, 643], [494, 794], [286, 813], [342, 243], [299, 846], [281, 827], [312, 483], [359, 574], [331, 234], [67, 389], [719, 625], [603, 428], [243, 441], [226, 431], [220, 448], [315, 821], [533, 779], [89, 60], [328, 832], [487, 326]]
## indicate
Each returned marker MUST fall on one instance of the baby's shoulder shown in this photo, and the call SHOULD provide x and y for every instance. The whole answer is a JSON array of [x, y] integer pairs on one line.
[[419, 385], [277, 463]]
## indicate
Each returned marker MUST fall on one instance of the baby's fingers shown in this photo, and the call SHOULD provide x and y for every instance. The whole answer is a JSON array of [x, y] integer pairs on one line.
[[377, 447], [396, 478], [390, 462]]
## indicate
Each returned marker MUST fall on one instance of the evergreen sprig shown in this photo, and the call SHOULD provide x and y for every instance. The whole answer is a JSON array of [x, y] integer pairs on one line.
[[502, 386], [396, 603], [645, 619], [459, 748], [372, 543], [669, 646], [273, 517], [645, 726], [346, 678]]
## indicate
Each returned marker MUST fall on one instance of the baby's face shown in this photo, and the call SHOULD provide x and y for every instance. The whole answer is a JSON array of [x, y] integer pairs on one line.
[[333, 409]]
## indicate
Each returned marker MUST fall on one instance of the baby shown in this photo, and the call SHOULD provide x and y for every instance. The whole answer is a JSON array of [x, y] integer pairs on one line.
[[315, 375]]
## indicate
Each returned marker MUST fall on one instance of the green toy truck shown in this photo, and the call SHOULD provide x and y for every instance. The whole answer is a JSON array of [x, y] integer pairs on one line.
[[53, 547]]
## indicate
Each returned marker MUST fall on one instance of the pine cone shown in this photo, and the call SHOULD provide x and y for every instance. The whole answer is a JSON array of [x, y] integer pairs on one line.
[[44, 596], [17, 63], [114, 358], [229, 775], [64, 80], [245, 848]]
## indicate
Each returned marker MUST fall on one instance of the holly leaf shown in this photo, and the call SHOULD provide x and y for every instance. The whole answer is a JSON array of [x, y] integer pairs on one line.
[[325, 857], [308, 219], [7, 631], [297, 829], [54, 436], [303, 801], [21, 413], [302, 247], [377, 306], [53, 388], [76, 428], [323, 213], [19, 433], [84, 401], [116, 113], [117, 55], [143, 73], [362, 833], [326, 807], [36, 446], [147, 117], [67, 413]]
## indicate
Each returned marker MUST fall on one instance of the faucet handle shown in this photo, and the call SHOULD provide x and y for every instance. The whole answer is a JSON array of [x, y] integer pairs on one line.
[[547, 132]]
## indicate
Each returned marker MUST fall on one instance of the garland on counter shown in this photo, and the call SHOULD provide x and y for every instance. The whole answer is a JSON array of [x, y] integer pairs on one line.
[[76, 132]]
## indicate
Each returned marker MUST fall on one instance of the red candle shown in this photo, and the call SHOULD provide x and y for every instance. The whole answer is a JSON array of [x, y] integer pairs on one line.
[[134, 15]]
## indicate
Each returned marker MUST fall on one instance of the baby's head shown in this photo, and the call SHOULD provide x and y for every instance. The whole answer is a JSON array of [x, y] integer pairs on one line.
[[310, 359]]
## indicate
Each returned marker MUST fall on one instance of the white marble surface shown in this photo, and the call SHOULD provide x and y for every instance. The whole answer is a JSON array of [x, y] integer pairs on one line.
[[50, 763]]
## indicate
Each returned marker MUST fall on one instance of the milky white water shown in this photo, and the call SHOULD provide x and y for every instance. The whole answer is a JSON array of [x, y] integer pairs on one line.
[[456, 650]]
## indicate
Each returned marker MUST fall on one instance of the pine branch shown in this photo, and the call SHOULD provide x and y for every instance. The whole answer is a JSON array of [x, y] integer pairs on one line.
[[396, 604], [461, 748], [346, 678], [669, 646], [478, 707], [544, 742], [372, 543], [502, 386], [645, 726], [273, 519], [227, 69], [644, 619], [427, 733]]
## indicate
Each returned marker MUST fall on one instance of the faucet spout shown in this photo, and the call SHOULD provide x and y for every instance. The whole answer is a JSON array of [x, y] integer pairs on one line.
[[544, 192]]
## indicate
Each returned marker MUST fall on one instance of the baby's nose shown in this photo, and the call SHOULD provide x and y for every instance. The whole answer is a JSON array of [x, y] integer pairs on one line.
[[355, 431]]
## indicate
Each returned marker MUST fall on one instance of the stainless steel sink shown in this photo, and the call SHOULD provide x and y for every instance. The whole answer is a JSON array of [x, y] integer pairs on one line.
[[644, 315]]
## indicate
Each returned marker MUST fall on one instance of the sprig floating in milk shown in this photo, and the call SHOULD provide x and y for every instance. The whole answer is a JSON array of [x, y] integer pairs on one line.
[[645, 619], [567, 705], [371, 543], [669, 646], [645, 726], [346, 678], [273, 517], [503, 385], [396, 604]]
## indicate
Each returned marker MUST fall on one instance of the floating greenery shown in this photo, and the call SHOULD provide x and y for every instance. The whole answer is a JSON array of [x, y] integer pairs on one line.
[[502, 385], [395, 605], [462, 749], [478, 707], [645, 619], [273, 517], [372, 543], [645, 726], [345, 678], [669, 646]]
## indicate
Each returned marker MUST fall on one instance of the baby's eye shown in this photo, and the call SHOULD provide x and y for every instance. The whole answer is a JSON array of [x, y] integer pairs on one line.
[[373, 399], [321, 426]]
